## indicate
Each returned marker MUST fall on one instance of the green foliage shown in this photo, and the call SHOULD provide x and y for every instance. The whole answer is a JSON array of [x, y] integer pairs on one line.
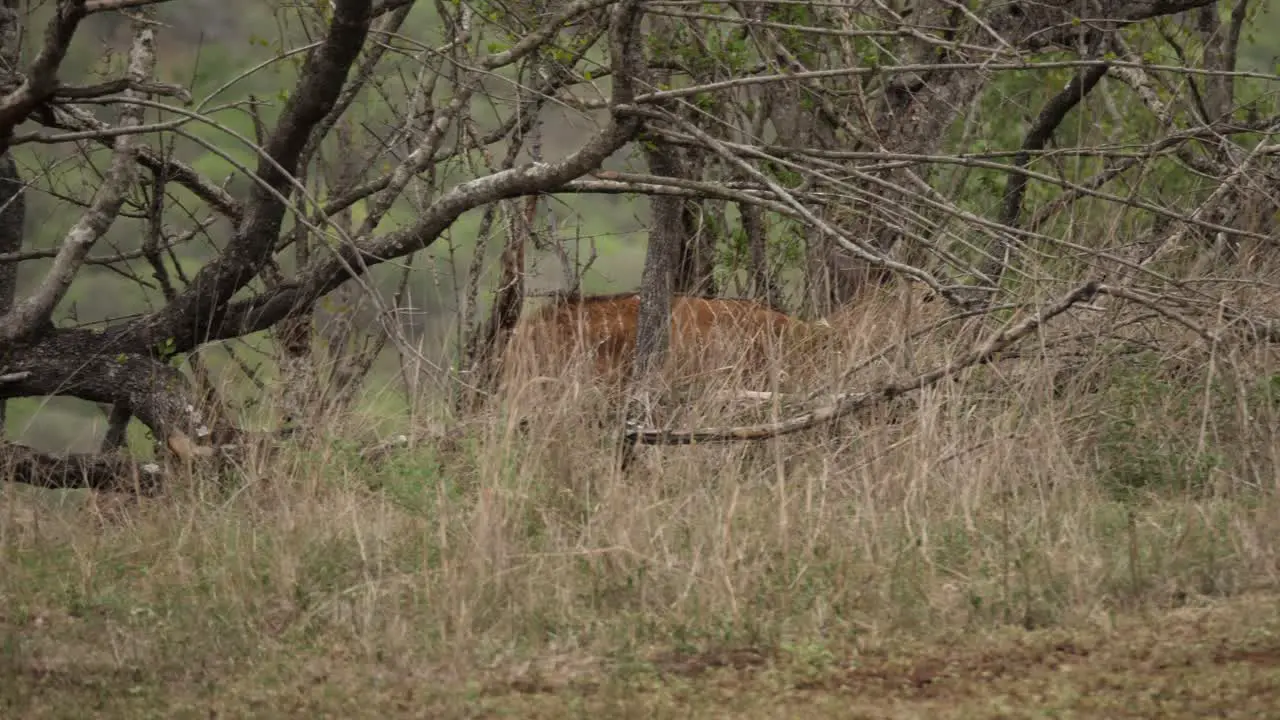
[[1162, 433], [784, 246]]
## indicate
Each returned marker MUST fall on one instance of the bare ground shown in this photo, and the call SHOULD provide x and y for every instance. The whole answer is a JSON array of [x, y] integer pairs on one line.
[[1219, 660]]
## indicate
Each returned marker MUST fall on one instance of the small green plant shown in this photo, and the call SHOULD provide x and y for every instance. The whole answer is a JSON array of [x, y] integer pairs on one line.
[[1147, 442]]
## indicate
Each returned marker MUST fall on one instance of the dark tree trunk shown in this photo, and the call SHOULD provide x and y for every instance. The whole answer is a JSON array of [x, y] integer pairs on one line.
[[12, 215], [653, 324], [84, 364], [692, 240], [12, 201], [658, 281], [763, 288]]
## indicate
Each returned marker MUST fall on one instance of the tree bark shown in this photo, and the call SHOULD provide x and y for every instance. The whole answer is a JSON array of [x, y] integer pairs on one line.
[[12, 200], [81, 364], [763, 287], [653, 324], [657, 282], [12, 217]]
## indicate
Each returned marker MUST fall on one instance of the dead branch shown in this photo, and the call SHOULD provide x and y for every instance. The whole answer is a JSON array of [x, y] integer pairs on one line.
[[848, 402], [42, 77], [97, 6], [204, 303], [36, 310], [859, 248], [110, 471], [121, 85], [1153, 303], [659, 97]]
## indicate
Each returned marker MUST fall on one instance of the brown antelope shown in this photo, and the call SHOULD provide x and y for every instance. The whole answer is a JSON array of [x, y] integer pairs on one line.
[[708, 335]]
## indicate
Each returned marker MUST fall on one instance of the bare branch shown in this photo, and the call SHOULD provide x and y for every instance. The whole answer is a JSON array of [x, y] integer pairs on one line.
[[846, 403], [1154, 304], [857, 247], [96, 6], [36, 311], [659, 97], [1173, 240], [268, 308], [111, 87], [42, 78], [9, 259], [202, 305], [74, 118]]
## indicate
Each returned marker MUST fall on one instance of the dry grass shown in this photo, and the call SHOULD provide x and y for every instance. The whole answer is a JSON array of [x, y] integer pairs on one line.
[[1097, 537]]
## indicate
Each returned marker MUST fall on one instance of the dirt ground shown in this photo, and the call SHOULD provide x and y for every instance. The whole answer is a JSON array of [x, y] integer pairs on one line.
[[1219, 660]]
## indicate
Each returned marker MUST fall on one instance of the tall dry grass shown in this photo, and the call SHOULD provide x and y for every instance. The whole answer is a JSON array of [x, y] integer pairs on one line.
[[1048, 489]]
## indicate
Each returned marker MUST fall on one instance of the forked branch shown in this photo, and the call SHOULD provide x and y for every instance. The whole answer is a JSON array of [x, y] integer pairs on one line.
[[263, 311], [323, 76], [35, 311]]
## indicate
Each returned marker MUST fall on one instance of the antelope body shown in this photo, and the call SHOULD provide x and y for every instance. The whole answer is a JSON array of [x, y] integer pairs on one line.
[[708, 335], [732, 338]]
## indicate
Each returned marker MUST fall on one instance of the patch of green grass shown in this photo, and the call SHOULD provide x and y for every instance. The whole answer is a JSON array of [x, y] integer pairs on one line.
[[1160, 433]]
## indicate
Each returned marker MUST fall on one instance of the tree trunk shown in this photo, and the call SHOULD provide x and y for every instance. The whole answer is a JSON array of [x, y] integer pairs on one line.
[[763, 287], [12, 201], [487, 348], [84, 364], [12, 215], [653, 324]]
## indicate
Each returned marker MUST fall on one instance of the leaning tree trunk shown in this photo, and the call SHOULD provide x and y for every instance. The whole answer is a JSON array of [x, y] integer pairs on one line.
[[12, 201], [12, 215], [84, 364]]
